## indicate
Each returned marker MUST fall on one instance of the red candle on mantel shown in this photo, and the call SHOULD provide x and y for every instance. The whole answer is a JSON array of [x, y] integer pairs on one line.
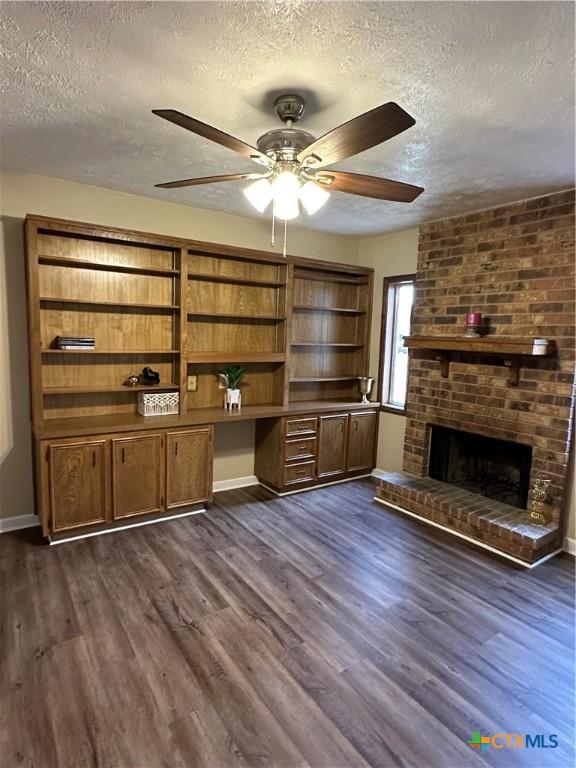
[[474, 318]]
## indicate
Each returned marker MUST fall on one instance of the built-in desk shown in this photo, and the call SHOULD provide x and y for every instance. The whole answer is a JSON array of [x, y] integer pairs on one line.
[[97, 473]]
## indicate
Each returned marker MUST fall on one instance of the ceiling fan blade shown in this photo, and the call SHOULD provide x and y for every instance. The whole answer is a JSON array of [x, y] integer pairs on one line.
[[207, 180], [369, 186], [358, 134], [213, 134]]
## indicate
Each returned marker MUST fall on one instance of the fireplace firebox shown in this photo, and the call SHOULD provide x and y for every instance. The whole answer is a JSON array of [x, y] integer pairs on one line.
[[494, 468]]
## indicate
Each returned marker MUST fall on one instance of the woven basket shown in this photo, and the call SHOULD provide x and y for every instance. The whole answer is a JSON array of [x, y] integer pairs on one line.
[[158, 403]]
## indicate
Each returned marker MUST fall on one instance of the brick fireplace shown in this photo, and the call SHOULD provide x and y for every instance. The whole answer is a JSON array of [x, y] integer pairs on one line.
[[515, 265]]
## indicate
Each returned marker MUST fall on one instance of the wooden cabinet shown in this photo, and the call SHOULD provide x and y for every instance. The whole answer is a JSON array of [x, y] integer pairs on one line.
[[301, 452], [76, 484], [361, 441], [107, 479], [138, 478], [188, 466], [332, 445]]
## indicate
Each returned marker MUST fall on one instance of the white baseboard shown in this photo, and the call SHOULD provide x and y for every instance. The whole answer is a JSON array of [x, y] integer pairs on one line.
[[236, 482], [18, 523], [569, 545]]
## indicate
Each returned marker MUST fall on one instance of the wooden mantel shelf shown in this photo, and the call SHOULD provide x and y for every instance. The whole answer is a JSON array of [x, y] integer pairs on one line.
[[511, 349]]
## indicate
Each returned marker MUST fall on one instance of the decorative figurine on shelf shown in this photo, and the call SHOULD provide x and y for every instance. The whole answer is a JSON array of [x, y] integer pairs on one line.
[[537, 502], [150, 377], [232, 376], [365, 385], [473, 324], [132, 381]]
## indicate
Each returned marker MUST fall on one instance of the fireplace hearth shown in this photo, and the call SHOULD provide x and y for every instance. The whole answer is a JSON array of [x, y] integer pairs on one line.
[[497, 469]]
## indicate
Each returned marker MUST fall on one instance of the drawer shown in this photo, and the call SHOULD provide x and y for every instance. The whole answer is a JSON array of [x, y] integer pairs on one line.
[[299, 473], [300, 449], [306, 426]]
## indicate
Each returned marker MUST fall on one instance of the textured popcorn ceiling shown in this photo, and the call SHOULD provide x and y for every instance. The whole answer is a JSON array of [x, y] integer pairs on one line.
[[490, 85]]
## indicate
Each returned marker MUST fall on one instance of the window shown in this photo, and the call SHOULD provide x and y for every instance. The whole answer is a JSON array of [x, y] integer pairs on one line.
[[398, 296]]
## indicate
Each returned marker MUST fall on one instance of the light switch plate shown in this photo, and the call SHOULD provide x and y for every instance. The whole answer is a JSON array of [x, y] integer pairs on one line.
[[192, 384]]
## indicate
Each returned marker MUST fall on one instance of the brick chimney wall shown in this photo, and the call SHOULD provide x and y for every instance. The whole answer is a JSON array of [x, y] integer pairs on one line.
[[516, 265]]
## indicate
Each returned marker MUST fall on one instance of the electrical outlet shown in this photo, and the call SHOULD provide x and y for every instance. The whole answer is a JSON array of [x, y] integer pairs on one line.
[[192, 385], [222, 382]]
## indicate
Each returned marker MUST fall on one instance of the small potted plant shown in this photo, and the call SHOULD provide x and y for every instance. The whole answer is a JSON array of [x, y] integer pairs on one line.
[[232, 375]]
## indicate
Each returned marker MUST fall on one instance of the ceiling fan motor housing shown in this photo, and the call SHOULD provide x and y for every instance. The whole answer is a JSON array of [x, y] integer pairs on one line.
[[284, 143]]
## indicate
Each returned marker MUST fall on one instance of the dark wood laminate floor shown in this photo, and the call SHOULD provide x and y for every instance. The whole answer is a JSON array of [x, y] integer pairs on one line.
[[315, 630]]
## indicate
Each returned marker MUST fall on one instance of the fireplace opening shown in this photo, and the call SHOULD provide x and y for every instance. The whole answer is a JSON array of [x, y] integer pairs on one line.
[[494, 468]]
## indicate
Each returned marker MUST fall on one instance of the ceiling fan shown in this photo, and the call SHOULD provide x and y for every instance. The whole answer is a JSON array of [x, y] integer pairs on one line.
[[293, 160]]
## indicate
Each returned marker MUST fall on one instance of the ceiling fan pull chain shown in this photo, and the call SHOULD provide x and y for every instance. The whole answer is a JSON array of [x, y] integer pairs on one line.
[[285, 231], [272, 235]]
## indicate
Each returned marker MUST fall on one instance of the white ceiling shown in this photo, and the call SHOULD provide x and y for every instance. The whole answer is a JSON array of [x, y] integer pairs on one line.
[[490, 85]]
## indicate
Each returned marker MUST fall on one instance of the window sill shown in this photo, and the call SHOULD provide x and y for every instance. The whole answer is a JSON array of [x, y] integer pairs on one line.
[[393, 409]]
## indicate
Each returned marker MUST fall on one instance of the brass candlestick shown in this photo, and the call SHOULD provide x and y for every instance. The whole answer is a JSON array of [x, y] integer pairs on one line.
[[537, 501]]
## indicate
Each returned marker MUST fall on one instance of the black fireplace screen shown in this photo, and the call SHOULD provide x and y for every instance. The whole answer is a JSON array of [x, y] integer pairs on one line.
[[494, 468]]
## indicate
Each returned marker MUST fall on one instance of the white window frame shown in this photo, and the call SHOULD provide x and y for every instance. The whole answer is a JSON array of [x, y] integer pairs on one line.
[[389, 320]]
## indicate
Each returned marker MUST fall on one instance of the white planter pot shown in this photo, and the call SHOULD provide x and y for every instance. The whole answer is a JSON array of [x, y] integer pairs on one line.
[[232, 399]]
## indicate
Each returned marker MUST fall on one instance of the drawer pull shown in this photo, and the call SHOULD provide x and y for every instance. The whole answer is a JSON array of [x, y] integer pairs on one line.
[[123, 456], [176, 448], [301, 447], [300, 471], [93, 458]]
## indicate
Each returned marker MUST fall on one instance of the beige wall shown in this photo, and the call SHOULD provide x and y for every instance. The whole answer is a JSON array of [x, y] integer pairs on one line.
[[22, 194], [392, 254]]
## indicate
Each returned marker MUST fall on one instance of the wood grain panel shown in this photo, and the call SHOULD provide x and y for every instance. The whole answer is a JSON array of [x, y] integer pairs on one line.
[[300, 449], [228, 267], [226, 298], [101, 370], [188, 466], [77, 478], [112, 330], [361, 440], [262, 385], [324, 361], [70, 283], [299, 472], [324, 326], [211, 335], [326, 294], [100, 252], [138, 475], [332, 439]]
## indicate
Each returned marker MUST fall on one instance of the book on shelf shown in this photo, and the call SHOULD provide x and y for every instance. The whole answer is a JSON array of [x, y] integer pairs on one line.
[[74, 342]]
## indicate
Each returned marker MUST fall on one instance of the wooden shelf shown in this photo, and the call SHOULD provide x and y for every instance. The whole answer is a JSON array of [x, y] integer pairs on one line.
[[236, 357], [220, 315], [144, 352], [335, 344], [128, 422], [339, 310], [112, 305], [491, 345], [234, 280], [63, 261], [80, 390], [511, 349], [304, 380], [328, 278]]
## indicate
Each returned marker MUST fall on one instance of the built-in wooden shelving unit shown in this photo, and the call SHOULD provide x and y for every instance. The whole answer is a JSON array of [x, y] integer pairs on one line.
[[330, 327], [299, 326]]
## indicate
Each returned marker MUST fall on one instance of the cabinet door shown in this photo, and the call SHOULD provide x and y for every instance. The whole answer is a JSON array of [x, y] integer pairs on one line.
[[77, 484], [138, 472], [188, 466], [332, 445], [361, 436]]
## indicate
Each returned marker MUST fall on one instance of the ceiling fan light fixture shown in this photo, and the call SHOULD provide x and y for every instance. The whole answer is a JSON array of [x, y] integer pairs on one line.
[[313, 197], [286, 194], [259, 194], [286, 209]]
